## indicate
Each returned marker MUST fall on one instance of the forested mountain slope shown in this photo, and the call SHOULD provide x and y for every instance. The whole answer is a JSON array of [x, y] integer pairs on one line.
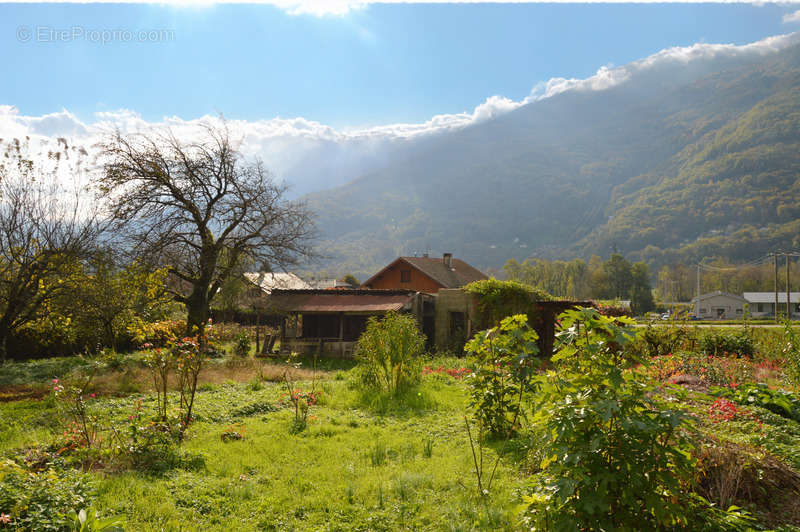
[[680, 162]]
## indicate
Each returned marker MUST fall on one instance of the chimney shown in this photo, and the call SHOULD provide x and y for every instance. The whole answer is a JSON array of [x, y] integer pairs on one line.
[[447, 258]]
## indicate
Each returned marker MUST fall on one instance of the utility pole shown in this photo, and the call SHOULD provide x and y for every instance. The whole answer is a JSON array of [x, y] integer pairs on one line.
[[788, 287], [775, 257], [697, 297]]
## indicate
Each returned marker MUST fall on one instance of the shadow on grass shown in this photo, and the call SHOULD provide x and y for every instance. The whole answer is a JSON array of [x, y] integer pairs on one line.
[[413, 401]]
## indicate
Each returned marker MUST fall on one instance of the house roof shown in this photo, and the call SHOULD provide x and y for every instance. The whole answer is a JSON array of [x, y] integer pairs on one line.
[[329, 284], [769, 297], [459, 274], [340, 300], [269, 281], [721, 293]]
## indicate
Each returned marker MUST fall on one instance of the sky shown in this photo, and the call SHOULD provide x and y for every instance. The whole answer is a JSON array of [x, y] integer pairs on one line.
[[319, 90], [373, 65]]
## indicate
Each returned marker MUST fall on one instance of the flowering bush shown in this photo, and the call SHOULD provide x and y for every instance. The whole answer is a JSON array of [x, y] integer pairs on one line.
[[710, 369], [723, 410]]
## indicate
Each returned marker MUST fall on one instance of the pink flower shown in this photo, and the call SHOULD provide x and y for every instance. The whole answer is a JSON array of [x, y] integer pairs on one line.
[[92, 395], [5, 518], [55, 381]]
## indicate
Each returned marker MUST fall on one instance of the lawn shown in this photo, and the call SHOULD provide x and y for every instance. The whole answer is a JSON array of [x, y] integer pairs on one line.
[[362, 463], [369, 460]]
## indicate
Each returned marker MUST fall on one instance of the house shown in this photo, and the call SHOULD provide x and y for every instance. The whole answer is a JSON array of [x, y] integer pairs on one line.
[[424, 274], [719, 306], [762, 304], [329, 322]]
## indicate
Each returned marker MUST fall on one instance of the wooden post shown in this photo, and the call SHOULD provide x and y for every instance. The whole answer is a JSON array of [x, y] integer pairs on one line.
[[788, 287], [283, 332], [341, 334], [775, 256]]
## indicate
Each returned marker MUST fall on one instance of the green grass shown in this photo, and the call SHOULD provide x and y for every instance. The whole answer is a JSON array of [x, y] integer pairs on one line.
[[366, 461]]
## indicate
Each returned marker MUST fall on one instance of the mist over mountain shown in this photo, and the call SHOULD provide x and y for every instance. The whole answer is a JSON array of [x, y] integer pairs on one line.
[[689, 153]]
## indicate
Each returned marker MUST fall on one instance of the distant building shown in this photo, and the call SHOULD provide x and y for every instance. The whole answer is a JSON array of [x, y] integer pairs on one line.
[[424, 274], [266, 282], [762, 304], [329, 284], [719, 306], [329, 322]]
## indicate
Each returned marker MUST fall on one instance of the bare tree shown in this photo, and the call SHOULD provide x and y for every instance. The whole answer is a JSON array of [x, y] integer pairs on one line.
[[200, 209], [45, 231]]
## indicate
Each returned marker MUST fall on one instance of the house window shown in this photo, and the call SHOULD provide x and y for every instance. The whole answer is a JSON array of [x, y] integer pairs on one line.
[[405, 276], [703, 311], [760, 307], [738, 311]]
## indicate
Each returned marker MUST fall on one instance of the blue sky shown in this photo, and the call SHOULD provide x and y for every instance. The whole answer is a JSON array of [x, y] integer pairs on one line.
[[380, 64]]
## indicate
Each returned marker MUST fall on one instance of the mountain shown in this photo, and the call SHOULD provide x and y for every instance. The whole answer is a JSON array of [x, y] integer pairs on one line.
[[676, 159]]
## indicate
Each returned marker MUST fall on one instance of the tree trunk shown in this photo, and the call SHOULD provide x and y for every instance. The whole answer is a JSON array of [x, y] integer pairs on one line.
[[197, 312]]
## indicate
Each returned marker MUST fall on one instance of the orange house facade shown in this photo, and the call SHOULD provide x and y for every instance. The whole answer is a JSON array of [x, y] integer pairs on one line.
[[424, 274]]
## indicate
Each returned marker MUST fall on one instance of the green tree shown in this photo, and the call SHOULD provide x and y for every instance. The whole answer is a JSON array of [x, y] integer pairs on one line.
[[641, 293], [110, 298], [46, 230], [618, 274]]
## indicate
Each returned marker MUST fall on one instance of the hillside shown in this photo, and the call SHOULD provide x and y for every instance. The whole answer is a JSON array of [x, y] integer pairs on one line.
[[679, 162]]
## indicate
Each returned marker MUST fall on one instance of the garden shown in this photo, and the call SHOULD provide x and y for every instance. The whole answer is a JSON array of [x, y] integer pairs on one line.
[[622, 428]]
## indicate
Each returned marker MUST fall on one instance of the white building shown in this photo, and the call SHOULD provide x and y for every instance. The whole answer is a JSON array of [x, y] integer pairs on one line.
[[763, 303], [719, 306]]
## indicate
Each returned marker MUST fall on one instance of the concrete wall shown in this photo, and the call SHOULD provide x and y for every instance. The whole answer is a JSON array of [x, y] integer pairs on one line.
[[453, 300]]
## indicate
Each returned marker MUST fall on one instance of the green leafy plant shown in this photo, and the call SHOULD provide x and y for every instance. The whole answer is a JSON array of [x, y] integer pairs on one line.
[[738, 342], [791, 352], [40, 500], [88, 521], [505, 362], [614, 456], [783, 403], [390, 350], [242, 344]]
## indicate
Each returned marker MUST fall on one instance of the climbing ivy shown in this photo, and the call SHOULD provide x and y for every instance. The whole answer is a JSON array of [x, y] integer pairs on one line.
[[499, 299]]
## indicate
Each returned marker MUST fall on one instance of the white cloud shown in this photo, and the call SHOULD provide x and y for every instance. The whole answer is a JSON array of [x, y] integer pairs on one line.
[[314, 155], [790, 18]]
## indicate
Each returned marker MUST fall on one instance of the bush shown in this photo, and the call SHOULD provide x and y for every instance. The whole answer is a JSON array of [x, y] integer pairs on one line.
[[719, 343], [389, 350], [40, 500], [658, 341], [242, 344], [505, 363], [614, 457]]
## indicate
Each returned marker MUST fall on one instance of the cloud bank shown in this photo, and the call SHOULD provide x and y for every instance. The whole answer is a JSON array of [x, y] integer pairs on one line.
[[311, 155]]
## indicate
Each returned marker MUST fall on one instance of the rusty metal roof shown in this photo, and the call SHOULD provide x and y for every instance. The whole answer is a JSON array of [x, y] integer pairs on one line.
[[339, 300]]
